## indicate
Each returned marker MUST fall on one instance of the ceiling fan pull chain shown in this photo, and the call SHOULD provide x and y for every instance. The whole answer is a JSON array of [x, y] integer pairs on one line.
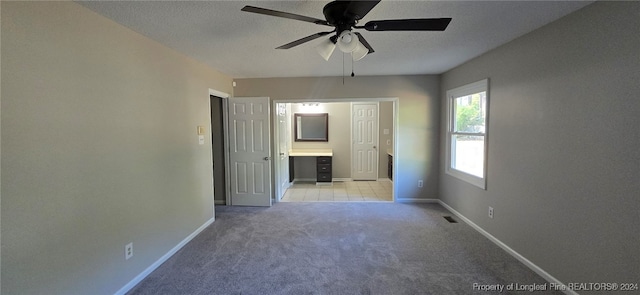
[[352, 66], [343, 68]]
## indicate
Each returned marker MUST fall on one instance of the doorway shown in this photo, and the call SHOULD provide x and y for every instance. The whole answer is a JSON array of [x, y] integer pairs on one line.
[[341, 142], [217, 149]]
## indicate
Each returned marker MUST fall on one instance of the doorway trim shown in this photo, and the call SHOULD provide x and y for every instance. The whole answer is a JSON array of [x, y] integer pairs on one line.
[[396, 129], [225, 122]]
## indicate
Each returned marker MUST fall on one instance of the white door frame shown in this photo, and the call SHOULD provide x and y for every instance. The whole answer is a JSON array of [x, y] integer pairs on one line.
[[396, 129]]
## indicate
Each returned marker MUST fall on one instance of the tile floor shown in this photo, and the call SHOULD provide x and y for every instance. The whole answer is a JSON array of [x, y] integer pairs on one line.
[[348, 191]]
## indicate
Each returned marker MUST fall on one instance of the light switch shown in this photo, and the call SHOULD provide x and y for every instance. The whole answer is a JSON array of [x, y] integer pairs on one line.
[[201, 130], [385, 131], [201, 139]]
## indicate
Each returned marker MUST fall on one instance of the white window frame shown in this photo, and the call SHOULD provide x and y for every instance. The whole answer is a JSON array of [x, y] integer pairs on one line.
[[452, 94]]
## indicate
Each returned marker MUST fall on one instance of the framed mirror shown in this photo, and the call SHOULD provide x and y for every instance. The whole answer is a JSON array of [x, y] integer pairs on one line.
[[311, 127]]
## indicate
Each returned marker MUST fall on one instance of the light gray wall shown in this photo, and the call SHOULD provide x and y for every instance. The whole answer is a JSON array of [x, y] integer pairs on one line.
[[99, 148], [386, 122], [419, 116], [564, 156]]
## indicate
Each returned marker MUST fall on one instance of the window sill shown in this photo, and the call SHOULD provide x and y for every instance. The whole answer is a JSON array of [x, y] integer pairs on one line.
[[466, 177]]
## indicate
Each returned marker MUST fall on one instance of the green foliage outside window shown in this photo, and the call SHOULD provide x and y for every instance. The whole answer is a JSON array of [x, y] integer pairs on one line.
[[469, 115]]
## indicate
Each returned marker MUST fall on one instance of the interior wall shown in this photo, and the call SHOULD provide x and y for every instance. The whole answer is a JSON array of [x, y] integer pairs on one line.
[[99, 149], [563, 156], [418, 120]]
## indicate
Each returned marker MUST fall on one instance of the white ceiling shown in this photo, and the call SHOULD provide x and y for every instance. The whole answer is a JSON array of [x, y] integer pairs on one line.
[[241, 44]]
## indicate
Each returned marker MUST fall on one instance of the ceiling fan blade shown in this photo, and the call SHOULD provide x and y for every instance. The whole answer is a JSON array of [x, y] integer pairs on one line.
[[304, 40], [423, 24], [364, 42], [284, 15], [360, 8]]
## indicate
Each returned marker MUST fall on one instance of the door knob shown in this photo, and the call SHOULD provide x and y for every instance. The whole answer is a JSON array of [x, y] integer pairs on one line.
[[267, 158]]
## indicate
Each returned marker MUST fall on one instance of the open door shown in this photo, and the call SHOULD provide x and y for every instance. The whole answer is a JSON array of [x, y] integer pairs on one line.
[[283, 131], [249, 151]]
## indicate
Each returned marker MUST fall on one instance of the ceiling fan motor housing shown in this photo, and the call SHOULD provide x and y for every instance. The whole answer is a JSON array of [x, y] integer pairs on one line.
[[336, 14]]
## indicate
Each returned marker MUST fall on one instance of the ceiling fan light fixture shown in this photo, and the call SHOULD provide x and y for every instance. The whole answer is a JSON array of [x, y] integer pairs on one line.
[[343, 16], [326, 48], [347, 41], [360, 52]]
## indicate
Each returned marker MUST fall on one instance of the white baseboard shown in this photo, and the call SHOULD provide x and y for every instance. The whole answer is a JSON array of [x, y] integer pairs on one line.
[[219, 202], [162, 259], [340, 179], [407, 200], [545, 275]]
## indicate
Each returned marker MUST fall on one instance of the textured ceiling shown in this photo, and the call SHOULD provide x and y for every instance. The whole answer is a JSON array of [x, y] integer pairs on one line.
[[241, 44]]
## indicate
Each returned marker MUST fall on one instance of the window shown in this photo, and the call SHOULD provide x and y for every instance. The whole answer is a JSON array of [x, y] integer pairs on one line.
[[467, 132]]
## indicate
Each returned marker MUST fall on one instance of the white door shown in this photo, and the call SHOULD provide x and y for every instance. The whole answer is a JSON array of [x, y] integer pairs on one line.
[[365, 141], [283, 130], [249, 162]]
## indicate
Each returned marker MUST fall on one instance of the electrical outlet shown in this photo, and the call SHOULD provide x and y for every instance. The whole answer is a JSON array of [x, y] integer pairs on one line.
[[128, 251], [490, 212], [420, 183]]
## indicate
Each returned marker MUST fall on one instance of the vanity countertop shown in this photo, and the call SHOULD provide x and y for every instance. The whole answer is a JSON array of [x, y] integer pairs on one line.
[[311, 153]]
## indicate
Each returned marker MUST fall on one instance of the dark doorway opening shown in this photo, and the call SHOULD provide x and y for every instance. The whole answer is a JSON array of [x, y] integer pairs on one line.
[[217, 145]]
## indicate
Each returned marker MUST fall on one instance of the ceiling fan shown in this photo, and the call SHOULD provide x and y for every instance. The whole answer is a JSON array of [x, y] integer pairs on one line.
[[344, 17]]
